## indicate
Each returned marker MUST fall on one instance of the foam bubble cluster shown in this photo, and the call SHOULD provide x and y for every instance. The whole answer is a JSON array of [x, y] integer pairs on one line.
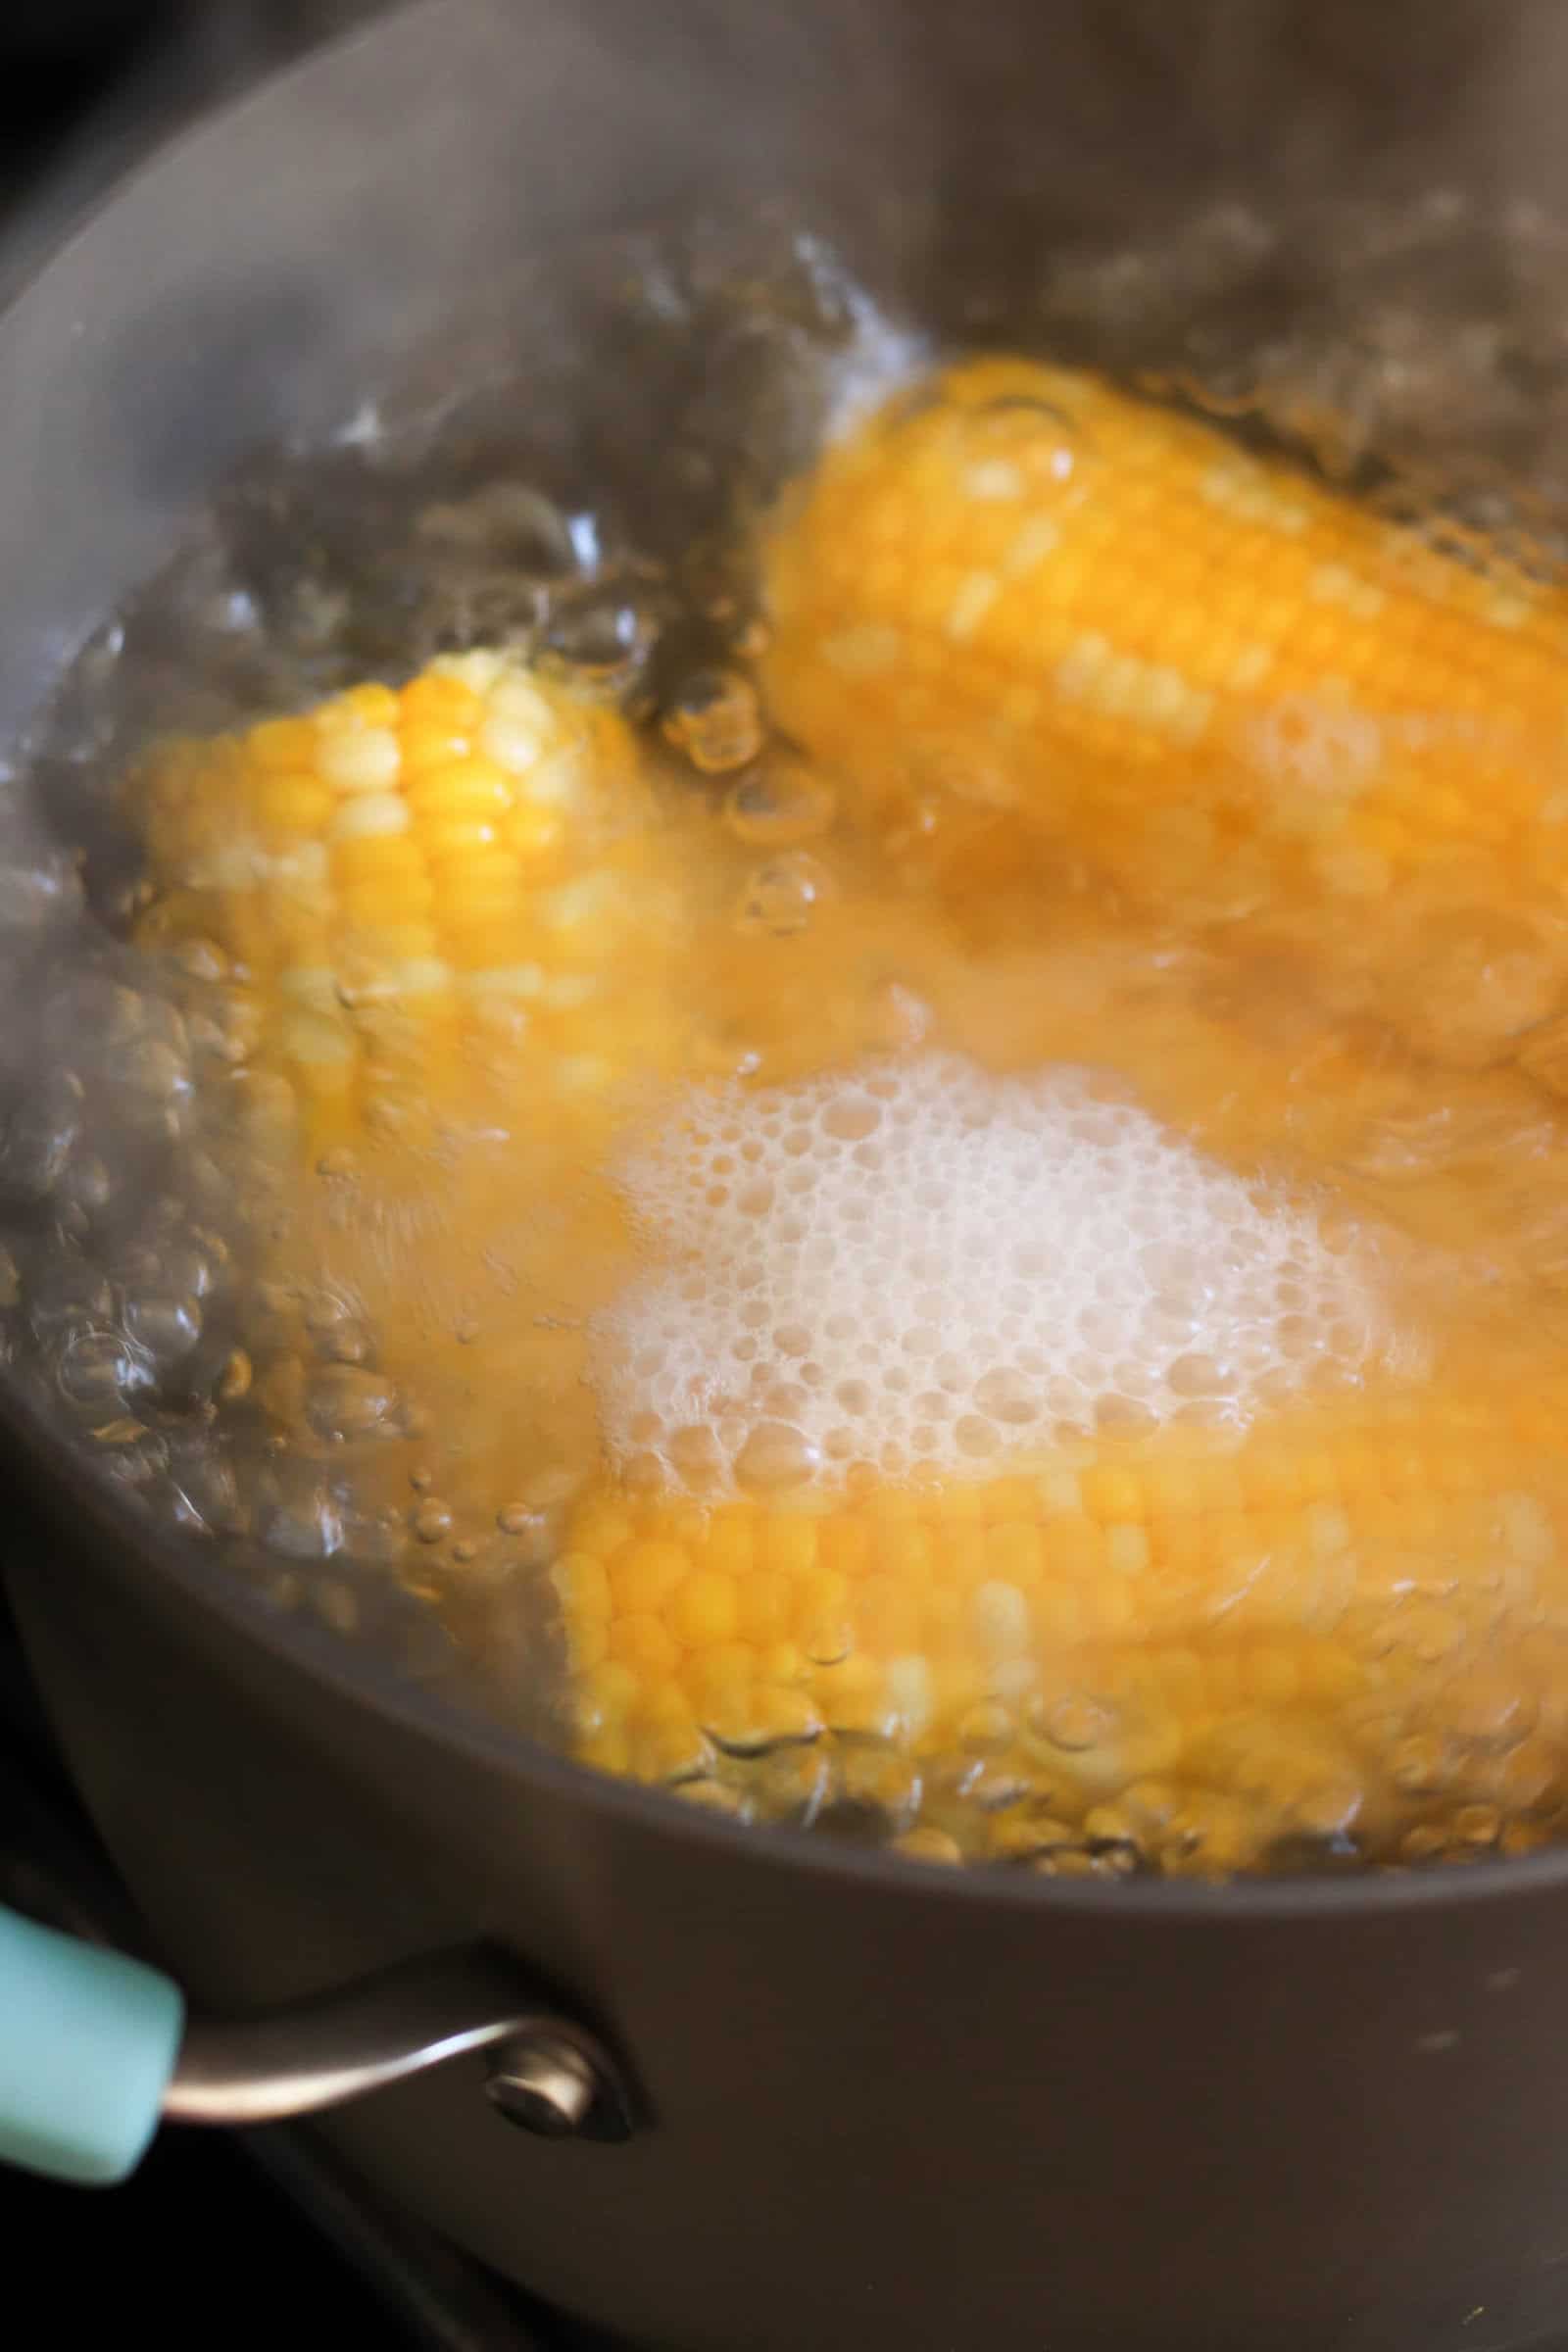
[[926, 1267]]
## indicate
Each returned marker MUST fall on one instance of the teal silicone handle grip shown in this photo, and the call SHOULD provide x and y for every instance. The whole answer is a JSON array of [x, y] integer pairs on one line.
[[88, 2039]]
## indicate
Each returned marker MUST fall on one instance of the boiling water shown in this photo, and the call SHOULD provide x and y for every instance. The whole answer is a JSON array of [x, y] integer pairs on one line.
[[996, 1241]]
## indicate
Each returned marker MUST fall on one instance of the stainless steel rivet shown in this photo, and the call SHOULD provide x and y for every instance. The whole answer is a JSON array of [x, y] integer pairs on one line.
[[543, 2082]]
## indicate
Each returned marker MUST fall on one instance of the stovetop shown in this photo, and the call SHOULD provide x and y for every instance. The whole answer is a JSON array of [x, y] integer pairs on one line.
[[256, 2236]]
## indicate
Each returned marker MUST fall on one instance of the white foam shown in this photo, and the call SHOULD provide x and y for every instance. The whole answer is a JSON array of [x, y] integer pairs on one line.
[[924, 1265]]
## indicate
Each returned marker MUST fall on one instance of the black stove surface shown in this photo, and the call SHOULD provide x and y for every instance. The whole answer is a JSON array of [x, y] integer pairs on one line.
[[244, 2237]]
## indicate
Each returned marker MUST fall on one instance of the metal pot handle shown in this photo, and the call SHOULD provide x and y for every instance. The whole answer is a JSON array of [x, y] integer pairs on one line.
[[96, 2050]]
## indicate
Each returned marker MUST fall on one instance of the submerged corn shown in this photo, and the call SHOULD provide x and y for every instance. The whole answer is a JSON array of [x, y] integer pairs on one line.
[[1022, 608], [1267, 1628]]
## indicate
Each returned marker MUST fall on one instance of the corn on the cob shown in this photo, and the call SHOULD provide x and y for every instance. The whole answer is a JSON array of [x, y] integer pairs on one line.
[[1219, 1643], [434, 927], [409, 884], [1022, 597]]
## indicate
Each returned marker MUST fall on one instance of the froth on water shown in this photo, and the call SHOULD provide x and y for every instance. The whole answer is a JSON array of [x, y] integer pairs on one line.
[[922, 1266]]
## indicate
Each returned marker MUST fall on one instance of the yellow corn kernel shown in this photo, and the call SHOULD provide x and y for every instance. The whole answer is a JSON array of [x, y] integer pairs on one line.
[[646, 1574], [667, 1743], [372, 704], [603, 1528], [358, 759], [718, 1681], [644, 1643], [1110, 1494], [788, 1545], [375, 858], [731, 1542], [463, 787], [458, 838], [438, 698], [284, 744], [475, 877], [706, 1610], [766, 1606], [291, 803], [534, 832], [844, 1543]]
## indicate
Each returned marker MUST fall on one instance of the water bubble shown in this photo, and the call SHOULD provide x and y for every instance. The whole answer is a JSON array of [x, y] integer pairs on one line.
[[1421, 1764], [779, 808], [1123, 1416], [792, 1785], [975, 1437], [38, 889], [132, 1457], [37, 1139], [774, 1455], [515, 523], [337, 1332], [209, 1484], [1197, 1376], [1007, 1396], [713, 719], [696, 1456], [885, 1784], [63, 1296], [778, 899], [99, 1369], [344, 1404], [167, 1328], [156, 1071], [603, 639], [1073, 1724], [303, 1527], [850, 1119], [986, 1728]]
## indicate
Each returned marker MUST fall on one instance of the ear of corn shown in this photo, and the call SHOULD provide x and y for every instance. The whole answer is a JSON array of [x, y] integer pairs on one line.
[[435, 926], [1023, 608], [425, 896], [1192, 1645]]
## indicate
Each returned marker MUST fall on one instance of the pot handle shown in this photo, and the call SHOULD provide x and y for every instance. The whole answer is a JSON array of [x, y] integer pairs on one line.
[[96, 2048]]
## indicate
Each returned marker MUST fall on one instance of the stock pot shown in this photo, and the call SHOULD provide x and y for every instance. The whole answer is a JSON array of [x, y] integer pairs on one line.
[[841, 2101]]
